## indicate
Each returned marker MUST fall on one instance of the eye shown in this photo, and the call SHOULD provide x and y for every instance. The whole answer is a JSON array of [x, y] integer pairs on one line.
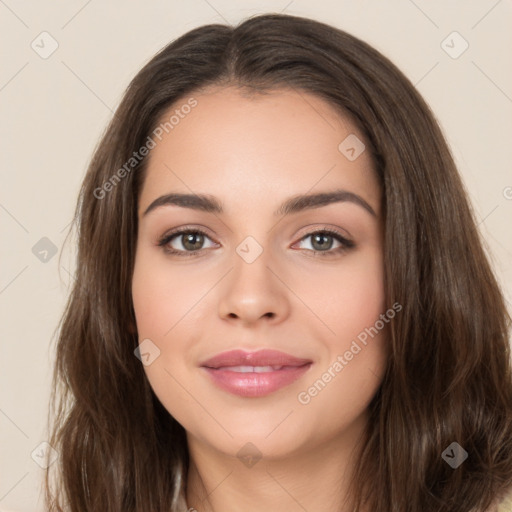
[[323, 240], [190, 240]]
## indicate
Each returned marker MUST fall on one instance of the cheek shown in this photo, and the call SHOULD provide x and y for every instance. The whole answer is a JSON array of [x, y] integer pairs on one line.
[[160, 300], [362, 330], [347, 298], [360, 301], [357, 345], [165, 301], [347, 379], [162, 295]]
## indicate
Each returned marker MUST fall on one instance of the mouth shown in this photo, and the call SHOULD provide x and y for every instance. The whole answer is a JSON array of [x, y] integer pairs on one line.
[[254, 374], [252, 369]]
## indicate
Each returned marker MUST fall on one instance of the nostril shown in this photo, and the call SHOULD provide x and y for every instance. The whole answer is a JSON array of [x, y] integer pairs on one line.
[[270, 314]]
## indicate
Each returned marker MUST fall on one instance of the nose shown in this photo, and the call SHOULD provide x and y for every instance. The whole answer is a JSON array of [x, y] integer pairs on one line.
[[254, 292]]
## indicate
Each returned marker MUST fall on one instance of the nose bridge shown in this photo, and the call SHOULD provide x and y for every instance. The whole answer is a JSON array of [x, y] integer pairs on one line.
[[251, 290]]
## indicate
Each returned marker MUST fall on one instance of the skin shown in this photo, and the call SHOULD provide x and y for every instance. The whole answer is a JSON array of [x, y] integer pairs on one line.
[[253, 153]]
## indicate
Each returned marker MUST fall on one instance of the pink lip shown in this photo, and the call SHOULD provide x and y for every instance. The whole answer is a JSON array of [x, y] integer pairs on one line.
[[255, 384]]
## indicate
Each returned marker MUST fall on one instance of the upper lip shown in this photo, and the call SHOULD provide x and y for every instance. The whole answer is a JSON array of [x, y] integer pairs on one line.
[[264, 357]]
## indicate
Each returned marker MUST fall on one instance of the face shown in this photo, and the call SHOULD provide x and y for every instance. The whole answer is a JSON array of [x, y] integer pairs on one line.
[[246, 273]]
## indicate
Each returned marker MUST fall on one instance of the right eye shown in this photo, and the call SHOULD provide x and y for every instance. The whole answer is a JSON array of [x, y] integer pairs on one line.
[[191, 241]]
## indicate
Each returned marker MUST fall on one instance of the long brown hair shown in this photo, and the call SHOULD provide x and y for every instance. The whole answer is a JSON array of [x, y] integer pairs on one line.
[[449, 376]]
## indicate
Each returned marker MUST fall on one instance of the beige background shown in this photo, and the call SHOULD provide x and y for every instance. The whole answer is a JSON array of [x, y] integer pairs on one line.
[[54, 110]]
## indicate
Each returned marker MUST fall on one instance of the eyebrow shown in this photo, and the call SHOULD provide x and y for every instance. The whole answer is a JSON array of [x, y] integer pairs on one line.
[[294, 204]]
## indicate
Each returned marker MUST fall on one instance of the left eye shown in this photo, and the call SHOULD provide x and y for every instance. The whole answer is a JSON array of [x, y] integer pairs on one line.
[[322, 242]]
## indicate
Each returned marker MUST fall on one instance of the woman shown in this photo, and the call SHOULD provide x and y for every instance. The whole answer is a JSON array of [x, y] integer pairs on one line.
[[281, 296]]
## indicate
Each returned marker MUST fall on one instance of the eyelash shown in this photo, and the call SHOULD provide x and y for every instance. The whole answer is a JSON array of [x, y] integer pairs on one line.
[[345, 243]]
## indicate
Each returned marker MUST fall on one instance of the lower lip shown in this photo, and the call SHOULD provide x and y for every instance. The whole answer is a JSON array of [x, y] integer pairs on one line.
[[254, 384]]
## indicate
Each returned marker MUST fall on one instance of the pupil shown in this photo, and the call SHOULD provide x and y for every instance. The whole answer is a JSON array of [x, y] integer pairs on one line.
[[322, 237], [190, 239]]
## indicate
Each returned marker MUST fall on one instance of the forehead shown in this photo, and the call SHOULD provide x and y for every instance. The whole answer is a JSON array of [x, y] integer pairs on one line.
[[273, 145]]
